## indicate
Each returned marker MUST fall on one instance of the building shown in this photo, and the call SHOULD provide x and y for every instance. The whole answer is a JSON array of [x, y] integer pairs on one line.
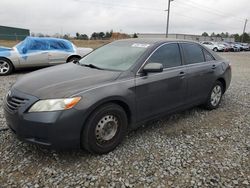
[[13, 33], [185, 37]]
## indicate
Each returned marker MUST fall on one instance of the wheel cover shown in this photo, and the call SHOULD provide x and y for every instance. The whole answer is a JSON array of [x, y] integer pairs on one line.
[[106, 129], [216, 95], [4, 67]]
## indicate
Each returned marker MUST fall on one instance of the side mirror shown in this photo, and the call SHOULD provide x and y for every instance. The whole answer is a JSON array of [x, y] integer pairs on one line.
[[153, 67], [24, 50]]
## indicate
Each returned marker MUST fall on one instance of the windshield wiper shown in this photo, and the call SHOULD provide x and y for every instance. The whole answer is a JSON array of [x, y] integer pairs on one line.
[[91, 66]]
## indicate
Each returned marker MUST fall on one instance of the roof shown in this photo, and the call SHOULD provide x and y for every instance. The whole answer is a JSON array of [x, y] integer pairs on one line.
[[155, 40]]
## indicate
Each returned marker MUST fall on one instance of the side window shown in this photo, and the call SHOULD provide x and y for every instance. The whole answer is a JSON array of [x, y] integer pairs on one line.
[[168, 55], [37, 45], [193, 53], [208, 56]]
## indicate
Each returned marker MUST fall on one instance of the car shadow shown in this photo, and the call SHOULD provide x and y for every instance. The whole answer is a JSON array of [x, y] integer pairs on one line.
[[27, 70]]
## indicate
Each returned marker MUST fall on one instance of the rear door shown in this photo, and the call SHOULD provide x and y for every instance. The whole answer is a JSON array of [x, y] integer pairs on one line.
[[58, 52], [201, 68], [157, 93]]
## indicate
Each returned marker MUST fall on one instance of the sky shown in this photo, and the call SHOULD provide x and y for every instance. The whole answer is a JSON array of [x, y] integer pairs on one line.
[[127, 16]]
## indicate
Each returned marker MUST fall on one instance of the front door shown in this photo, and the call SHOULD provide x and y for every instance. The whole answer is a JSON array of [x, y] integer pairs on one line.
[[158, 93], [34, 54]]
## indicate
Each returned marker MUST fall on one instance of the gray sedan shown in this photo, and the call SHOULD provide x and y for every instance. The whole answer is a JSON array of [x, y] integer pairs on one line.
[[118, 87], [35, 52]]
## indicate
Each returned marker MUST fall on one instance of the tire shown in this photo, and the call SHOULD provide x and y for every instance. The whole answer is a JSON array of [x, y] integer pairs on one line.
[[74, 58], [6, 67], [215, 96], [215, 49], [105, 129]]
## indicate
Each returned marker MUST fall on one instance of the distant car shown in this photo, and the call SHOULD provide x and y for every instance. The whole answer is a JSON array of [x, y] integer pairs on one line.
[[234, 47], [217, 47], [118, 87], [245, 46], [227, 47], [238, 46], [35, 52]]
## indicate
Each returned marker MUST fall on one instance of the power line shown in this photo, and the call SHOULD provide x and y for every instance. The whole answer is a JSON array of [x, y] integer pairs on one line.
[[120, 5], [209, 10], [203, 20]]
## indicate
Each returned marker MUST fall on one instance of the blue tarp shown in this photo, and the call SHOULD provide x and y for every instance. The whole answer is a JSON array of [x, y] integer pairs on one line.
[[31, 44]]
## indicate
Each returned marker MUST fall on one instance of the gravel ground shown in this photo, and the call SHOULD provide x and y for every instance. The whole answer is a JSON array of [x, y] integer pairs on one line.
[[195, 148]]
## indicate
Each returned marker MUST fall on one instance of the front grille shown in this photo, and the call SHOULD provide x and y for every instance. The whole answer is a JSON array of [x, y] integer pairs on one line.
[[13, 102]]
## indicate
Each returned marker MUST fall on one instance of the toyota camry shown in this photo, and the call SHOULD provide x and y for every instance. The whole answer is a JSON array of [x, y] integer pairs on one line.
[[94, 102]]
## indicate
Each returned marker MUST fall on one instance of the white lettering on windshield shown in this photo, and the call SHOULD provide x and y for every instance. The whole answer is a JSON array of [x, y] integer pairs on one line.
[[140, 45]]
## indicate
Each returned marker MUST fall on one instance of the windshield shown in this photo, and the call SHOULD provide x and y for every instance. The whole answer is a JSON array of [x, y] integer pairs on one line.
[[119, 55]]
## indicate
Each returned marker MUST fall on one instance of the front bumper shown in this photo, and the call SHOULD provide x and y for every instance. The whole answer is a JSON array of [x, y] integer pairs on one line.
[[57, 130]]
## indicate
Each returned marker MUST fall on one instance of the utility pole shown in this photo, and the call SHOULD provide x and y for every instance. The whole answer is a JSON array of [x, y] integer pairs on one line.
[[244, 30], [168, 17]]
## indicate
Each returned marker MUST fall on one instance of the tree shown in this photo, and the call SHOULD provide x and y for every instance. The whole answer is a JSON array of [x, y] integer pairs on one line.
[[84, 37], [66, 36], [236, 37], [108, 34], [246, 37], [212, 34], [77, 35], [101, 35], [204, 34], [135, 35], [94, 36]]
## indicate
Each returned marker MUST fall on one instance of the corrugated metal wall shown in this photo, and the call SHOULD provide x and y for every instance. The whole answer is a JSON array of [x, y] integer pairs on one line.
[[12, 33]]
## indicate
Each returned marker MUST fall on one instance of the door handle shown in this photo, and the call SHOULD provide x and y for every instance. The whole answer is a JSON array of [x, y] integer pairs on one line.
[[214, 66], [182, 74]]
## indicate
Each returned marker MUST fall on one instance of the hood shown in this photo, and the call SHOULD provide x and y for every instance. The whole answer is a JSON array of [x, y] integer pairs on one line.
[[63, 80], [5, 51], [2, 48]]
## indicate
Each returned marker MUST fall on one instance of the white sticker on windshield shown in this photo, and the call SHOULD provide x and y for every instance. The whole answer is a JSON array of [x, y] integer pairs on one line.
[[140, 45]]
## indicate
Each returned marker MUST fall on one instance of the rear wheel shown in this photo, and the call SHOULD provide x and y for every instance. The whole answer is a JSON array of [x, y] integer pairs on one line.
[[215, 96], [6, 67], [105, 129]]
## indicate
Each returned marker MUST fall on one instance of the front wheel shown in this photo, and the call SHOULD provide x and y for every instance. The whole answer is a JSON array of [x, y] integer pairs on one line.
[[215, 96], [105, 129], [215, 49], [5, 67]]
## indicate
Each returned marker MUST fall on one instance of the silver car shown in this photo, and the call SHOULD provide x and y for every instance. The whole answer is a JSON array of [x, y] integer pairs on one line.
[[215, 46], [35, 52]]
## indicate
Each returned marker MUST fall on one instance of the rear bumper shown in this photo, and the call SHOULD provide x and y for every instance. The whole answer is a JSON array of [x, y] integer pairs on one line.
[[57, 130]]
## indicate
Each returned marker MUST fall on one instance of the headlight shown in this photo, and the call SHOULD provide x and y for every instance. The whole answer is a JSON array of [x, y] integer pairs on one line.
[[54, 104]]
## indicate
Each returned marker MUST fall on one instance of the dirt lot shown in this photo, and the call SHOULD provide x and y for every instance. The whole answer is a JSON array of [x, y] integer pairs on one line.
[[195, 148]]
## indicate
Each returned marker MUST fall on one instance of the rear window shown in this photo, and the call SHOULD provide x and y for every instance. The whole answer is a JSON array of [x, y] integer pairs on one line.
[[192, 53]]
